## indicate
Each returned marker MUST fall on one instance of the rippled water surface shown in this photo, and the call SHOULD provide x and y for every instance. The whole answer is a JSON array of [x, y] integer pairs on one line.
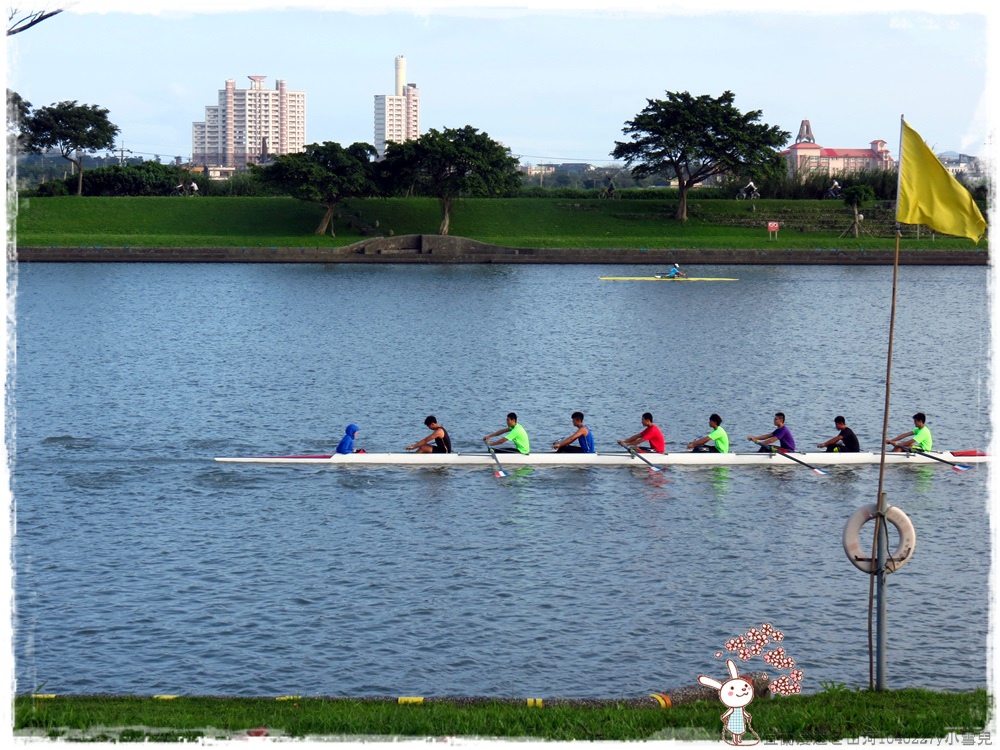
[[142, 566]]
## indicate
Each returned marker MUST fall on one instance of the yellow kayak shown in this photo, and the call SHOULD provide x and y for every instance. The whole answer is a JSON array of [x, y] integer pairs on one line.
[[661, 278]]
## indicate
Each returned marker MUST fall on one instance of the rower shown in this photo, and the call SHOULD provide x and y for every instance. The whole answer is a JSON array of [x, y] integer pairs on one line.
[[844, 442], [439, 435], [781, 435], [717, 435], [583, 436], [514, 433], [675, 272], [919, 437], [650, 433], [346, 444]]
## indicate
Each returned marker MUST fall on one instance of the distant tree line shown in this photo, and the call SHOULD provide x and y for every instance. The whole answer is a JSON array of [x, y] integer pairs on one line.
[[685, 141], [448, 165]]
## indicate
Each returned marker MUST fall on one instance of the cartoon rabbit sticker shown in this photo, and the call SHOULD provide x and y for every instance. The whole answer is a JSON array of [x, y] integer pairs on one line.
[[735, 693]]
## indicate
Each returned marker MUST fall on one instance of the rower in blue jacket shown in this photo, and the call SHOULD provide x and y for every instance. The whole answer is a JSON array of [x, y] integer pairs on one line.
[[346, 444]]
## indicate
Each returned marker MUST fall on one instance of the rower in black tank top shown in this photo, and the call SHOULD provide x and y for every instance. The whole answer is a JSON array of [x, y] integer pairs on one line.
[[442, 444]]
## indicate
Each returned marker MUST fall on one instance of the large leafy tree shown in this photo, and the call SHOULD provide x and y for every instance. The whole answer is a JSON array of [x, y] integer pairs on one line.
[[18, 113], [693, 138], [72, 129], [451, 163], [325, 173]]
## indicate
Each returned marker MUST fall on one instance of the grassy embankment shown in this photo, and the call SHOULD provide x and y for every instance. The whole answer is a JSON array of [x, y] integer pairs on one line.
[[516, 222], [829, 716]]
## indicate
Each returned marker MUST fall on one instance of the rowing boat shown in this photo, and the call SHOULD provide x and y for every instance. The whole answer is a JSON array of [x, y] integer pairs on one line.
[[663, 278], [616, 459]]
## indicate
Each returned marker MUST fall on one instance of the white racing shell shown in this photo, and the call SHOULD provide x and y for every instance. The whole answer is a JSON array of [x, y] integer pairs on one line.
[[517, 460]]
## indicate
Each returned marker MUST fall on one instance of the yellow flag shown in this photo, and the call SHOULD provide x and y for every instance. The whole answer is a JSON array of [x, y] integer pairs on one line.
[[929, 194]]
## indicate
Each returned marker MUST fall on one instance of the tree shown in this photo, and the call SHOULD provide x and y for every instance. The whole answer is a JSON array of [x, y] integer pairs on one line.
[[697, 137], [73, 129], [855, 197], [144, 178], [324, 173], [450, 163], [18, 21], [18, 112]]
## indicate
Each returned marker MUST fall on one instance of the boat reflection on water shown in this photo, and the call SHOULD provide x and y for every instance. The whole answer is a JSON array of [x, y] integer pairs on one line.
[[924, 477], [721, 481]]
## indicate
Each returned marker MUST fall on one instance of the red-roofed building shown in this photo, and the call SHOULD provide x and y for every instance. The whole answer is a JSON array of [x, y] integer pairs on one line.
[[806, 156]]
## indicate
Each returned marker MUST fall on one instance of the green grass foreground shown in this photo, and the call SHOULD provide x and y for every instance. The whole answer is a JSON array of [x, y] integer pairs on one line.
[[515, 222], [829, 716]]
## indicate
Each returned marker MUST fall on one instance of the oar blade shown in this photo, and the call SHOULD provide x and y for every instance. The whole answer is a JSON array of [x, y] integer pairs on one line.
[[635, 454], [498, 472], [956, 467], [800, 461]]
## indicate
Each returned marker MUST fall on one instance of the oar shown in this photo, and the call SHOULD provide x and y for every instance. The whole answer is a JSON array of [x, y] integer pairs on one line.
[[635, 454], [499, 472], [956, 467], [809, 466]]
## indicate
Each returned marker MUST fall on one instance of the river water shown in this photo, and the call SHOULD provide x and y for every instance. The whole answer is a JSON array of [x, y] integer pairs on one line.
[[144, 567]]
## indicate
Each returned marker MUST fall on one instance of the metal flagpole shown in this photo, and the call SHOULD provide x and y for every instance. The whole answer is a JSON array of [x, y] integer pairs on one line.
[[881, 532]]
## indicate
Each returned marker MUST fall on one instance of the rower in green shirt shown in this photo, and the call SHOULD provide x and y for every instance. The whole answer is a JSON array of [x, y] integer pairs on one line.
[[718, 435], [515, 433], [921, 436]]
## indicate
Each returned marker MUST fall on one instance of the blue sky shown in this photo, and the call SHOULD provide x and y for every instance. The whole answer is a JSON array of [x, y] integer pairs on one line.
[[552, 81]]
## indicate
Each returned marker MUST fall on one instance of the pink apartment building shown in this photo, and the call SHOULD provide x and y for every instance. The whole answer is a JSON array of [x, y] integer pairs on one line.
[[248, 126], [805, 155]]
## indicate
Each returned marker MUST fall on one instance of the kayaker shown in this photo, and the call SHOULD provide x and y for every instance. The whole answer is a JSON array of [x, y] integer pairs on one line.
[[650, 433], [844, 442], [919, 437], [583, 436], [346, 444], [513, 432], [676, 272], [781, 435], [717, 435], [439, 435]]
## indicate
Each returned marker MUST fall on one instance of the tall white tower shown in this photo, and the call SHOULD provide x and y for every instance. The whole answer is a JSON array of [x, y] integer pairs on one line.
[[400, 74], [397, 116]]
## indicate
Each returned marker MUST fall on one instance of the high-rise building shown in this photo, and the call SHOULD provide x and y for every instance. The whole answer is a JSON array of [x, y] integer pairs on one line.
[[250, 125], [397, 116]]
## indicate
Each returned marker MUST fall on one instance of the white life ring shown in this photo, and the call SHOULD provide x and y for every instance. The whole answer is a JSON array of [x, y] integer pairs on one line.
[[899, 556]]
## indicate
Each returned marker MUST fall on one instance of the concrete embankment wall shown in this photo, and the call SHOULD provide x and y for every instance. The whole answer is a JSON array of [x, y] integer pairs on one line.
[[424, 248]]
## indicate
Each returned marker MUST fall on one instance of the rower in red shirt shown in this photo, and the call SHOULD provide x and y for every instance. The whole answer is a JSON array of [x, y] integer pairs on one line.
[[650, 433]]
